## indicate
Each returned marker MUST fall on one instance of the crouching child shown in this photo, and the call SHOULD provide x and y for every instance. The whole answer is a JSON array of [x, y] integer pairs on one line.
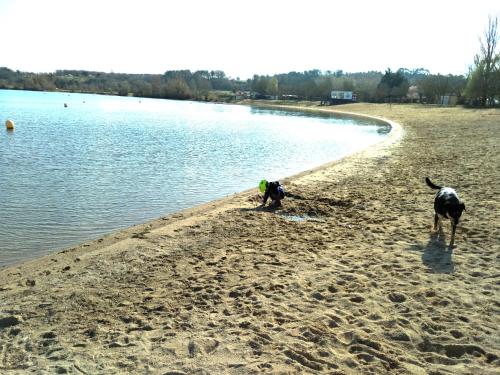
[[273, 190]]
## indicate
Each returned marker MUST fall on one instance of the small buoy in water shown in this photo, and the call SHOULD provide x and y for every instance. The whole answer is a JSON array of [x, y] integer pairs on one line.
[[9, 124], [65, 105]]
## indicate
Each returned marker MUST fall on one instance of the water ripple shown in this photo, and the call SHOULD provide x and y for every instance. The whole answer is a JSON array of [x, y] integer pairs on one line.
[[104, 163]]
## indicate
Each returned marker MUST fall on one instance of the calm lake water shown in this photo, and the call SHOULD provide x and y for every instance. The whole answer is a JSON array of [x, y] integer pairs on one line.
[[69, 174]]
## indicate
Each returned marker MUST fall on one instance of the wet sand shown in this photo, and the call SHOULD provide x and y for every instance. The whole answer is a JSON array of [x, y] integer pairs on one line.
[[346, 277]]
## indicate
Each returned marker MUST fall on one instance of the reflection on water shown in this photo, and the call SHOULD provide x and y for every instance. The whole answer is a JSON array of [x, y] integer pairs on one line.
[[68, 174]]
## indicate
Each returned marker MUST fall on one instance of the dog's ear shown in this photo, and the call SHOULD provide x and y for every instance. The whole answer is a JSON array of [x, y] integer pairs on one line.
[[463, 206]]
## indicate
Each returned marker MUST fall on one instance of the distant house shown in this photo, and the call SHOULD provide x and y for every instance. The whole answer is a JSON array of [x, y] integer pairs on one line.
[[342, 97], [240, 95], [448, 100]]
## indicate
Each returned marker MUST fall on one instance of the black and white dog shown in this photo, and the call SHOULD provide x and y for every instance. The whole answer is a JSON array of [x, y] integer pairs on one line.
[[446, 205]]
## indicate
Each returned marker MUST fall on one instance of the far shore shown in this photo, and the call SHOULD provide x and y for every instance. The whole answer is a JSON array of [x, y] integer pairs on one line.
[[345, 278]]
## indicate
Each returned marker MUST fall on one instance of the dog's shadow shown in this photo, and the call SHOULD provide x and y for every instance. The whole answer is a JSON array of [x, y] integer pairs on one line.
[[436, 254]]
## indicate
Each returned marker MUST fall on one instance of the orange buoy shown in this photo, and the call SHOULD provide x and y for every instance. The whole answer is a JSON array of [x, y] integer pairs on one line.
[[9, 124]]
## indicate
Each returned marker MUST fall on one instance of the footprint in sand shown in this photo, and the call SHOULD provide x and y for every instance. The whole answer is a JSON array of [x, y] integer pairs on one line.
[[397, 297]]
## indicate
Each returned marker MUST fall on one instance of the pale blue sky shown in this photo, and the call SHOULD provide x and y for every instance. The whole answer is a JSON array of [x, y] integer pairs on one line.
[[241, 37]]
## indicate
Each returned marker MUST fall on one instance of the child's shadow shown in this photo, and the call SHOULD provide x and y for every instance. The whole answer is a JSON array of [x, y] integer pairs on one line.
[[271, 207], [268, 208], [435, 254]]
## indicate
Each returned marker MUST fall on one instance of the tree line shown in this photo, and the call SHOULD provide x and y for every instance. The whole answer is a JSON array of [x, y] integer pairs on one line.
[[180, 84], [480, 87], [205, 85], [404, 85]]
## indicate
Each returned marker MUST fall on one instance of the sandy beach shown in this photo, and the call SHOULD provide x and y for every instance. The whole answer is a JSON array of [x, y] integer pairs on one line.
[[346, 277]]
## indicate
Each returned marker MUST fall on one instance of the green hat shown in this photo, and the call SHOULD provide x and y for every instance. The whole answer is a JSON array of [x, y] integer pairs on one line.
[[262, 185]]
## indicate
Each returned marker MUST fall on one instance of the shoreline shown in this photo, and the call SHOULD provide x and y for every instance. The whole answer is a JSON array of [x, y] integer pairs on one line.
[[394, 134], [359, 285]]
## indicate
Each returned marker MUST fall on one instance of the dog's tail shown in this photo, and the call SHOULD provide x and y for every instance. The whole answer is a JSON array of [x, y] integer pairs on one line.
[[431, 185]]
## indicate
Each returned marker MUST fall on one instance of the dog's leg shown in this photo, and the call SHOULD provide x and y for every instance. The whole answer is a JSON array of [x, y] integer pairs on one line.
[[436, 221], [453, 229]]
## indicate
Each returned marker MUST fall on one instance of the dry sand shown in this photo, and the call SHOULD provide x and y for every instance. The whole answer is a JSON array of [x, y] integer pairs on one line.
[[361, 286]]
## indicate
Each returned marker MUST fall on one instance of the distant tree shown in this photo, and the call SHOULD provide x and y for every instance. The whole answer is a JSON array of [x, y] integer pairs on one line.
[[177, 88], [156, 87], [272, 86], [313, 73], [366, 85], [259, 84], [144, 89], [201, 79], [218, 74], [392, 85], [7, 74], [433, 86], [483, 81], [348, 85], [324, 86], [29, 83], [45, 82], [413, 75], [219, 81], [326, 83], [123, 88]]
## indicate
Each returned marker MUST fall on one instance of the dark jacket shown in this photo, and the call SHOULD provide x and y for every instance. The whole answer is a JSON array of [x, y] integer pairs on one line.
[[275, 191]]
